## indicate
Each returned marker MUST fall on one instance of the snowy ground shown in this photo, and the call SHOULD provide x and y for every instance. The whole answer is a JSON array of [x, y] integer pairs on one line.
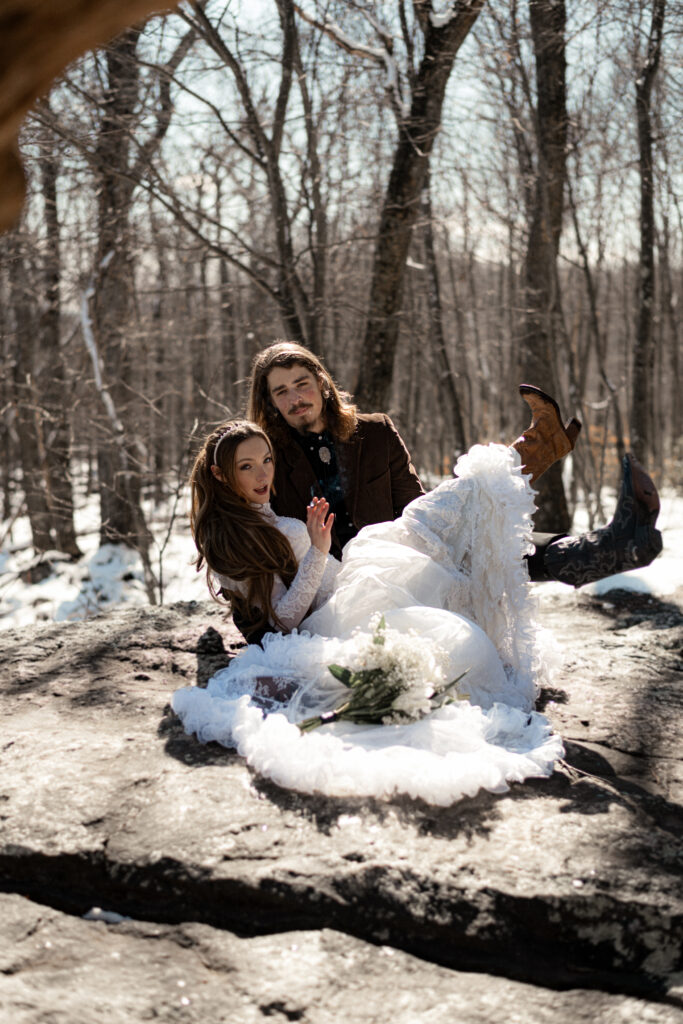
[[105, 576], [111, 575]]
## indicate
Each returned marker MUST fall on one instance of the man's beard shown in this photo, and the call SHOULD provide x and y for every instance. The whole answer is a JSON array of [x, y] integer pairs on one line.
[[306, 427]]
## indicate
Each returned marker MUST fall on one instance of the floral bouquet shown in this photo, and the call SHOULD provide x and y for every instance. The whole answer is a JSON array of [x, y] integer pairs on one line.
[[401, 678]]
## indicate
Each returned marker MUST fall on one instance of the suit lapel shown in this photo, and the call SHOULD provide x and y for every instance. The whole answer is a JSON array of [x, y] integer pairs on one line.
[[348, 457]]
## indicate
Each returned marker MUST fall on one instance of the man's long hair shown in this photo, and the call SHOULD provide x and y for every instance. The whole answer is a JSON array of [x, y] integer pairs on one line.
[[233, 537], [338, 410]]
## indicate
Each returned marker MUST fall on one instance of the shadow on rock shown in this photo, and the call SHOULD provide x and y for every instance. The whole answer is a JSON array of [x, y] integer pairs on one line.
[[550, 695], [587, 783], [141, 641], [212, 655], [626, 608], [211, 658], [655, 673], [469, 817], [187, 749], [632, 644]]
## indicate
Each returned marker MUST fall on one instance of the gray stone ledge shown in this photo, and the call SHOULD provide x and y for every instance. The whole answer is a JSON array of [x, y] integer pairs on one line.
[[70, 971], [569, 882]]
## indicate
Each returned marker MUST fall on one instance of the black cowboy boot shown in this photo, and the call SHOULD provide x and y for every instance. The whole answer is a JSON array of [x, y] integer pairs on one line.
[[630, 541]]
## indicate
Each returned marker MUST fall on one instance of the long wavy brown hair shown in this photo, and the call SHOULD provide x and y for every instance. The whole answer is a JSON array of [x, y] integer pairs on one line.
[[338, 409], [232, 537]]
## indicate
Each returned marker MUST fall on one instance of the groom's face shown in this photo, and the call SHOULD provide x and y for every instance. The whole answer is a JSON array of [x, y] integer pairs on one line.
[[295, 393]]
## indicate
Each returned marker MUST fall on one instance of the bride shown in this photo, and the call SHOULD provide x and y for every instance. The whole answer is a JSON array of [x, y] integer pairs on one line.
[[449, 582]]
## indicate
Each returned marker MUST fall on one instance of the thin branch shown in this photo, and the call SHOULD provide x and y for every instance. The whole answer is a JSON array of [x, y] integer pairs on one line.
[[232, 135], [288, 50], [212, 36], [165, 111], [177, 211], [378, 55], [407, 41]]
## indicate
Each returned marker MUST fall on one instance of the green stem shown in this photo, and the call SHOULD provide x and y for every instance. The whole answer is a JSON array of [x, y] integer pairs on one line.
[[325, 719]]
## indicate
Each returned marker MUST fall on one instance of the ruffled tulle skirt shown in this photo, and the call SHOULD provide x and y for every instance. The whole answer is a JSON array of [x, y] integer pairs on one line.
[[450, 570]]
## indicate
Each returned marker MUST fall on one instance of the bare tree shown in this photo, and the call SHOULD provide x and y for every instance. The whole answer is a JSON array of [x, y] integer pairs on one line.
[[279, 199], [643, 353], [446, 374], [109, 298], [51, 387], [25, 402], [418, 127], [119, 166], [538, 342], [262, 143]]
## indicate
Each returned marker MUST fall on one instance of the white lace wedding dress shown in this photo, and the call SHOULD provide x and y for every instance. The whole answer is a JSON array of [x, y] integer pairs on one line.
[[451, 570]]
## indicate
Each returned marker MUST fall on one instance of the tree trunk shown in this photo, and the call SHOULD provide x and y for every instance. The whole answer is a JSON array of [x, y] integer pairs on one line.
[[25, 401], [117, 458], [8, 454], [202, 368], [51, 383], [228, 337], [402, 199], [452, 412], [161, 435], [318, 228], [542, 301], [460, 337], [675, 427], [642, 424], [119, 167]]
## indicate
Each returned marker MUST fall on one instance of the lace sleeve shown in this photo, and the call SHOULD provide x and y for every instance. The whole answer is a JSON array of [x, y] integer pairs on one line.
[[290, 605], [327, 583], [313, 583]]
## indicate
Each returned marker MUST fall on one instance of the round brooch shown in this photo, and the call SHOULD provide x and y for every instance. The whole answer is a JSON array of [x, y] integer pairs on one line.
[[325, 455]]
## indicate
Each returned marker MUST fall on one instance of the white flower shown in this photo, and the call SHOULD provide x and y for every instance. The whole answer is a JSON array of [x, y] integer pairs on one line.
[[395, 677]]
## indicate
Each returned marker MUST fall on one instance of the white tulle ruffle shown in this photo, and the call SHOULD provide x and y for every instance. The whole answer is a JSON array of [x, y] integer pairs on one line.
[[452, 753], [451, 570]]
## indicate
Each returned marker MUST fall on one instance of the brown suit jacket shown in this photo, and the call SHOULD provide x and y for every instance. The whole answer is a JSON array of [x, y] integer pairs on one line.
[[377, 475]]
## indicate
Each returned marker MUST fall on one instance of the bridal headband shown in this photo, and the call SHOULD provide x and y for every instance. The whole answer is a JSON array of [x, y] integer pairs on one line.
[[233, 426]]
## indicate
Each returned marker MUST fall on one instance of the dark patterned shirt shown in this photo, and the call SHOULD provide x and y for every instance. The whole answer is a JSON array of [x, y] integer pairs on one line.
[[320, 451]]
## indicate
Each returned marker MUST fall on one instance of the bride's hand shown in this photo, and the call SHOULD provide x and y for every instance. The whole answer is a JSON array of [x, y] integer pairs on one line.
[[320, 528]]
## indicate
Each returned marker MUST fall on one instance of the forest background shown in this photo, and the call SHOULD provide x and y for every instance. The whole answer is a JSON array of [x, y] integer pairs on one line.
[[441, 201]]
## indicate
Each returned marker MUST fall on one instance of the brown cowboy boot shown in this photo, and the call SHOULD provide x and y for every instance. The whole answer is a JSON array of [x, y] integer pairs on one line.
[[629, 541], [546, 439]]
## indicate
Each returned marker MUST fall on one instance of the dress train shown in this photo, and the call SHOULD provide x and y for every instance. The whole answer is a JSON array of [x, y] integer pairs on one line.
[[450, 570]]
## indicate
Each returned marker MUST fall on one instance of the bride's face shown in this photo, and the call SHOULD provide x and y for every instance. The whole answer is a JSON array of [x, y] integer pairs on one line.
[[254, 470]]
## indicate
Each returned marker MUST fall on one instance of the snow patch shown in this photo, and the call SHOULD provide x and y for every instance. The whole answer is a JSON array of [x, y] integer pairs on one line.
[[110, 575]]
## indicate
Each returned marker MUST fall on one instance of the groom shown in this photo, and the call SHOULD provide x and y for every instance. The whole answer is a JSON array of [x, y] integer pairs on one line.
[[360, 464], [324, 447]]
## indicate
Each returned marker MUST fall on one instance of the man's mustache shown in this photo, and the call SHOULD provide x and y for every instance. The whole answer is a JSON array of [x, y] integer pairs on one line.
[[299, 408]]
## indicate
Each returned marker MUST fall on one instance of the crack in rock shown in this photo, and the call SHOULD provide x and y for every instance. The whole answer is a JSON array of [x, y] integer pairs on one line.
[[569, 882]]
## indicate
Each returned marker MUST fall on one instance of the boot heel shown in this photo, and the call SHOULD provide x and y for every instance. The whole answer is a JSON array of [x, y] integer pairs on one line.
[[531, 389], [644, 490], [572, 429]]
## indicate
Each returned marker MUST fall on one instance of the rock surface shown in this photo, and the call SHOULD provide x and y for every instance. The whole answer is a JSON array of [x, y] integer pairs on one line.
[[269, 903], [135, 972]]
